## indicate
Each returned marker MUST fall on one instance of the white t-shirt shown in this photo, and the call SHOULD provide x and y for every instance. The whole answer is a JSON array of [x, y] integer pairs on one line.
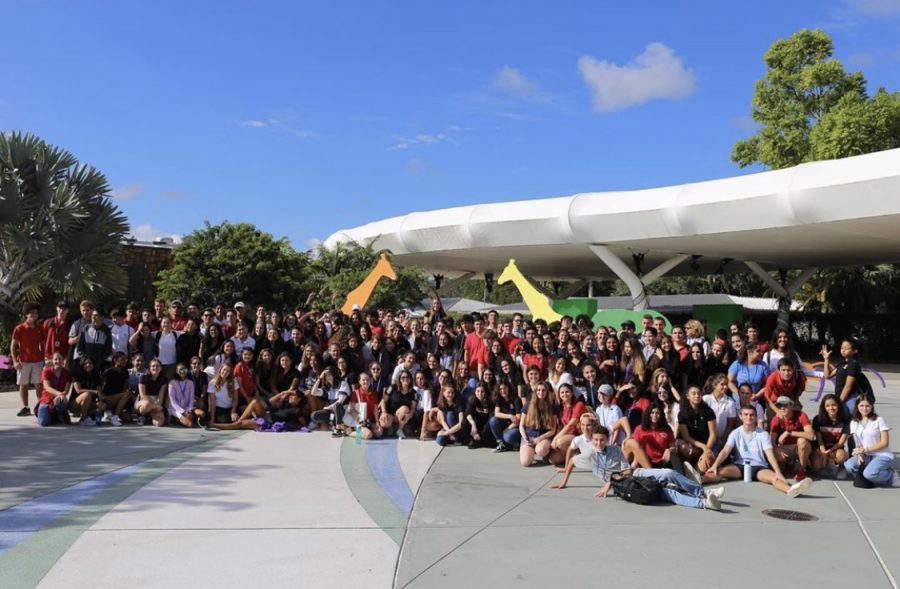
[[585, 449], [870, 434], [750, 446], [607, 417], [223, 398], [424, 399], [167, 348], [240, 345], [120, 335], [724, 410], [564, 378]]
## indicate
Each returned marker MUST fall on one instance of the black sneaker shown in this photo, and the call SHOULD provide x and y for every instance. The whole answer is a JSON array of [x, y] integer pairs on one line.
[[336, 433], [23, 412], [501, 447]]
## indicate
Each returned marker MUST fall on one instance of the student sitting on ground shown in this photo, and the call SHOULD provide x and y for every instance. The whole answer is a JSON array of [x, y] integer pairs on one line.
[[792, 437], [580, 450], [752, 448], [676, 488], [115, 392], [872, 455], [537, 425], [52, 407], [832, 429]]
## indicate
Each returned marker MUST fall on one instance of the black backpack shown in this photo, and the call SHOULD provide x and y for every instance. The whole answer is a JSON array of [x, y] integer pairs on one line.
[[640, 490]]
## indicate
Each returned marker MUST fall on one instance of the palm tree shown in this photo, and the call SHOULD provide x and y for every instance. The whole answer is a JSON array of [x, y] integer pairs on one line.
[[59, 232]]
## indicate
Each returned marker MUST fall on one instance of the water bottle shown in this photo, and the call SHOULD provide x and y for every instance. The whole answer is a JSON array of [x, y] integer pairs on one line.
[[748, 471]]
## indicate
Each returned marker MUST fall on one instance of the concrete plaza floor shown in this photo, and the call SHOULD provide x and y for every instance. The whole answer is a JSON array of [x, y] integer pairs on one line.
[[168, 507]]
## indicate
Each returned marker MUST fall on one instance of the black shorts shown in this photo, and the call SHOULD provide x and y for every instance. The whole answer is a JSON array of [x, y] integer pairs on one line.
[[223, 415], [287, 414]]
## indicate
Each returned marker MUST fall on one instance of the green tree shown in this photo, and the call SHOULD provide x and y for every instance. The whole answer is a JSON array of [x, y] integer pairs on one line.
[[235, 262], [810, 109], [338, 271], [803, 82], [60, 234]]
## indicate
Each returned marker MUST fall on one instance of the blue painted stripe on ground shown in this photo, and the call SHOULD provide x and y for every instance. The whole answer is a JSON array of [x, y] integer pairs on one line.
[[384, 463], [19, 522]]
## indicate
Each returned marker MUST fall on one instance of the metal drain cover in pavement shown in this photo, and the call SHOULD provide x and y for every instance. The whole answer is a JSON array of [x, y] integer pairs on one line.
[[790, 515]]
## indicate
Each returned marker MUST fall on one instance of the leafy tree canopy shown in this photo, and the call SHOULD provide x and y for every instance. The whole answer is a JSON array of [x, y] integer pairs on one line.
[[59, 232], [337, 272], [231, 262], [810, 109]]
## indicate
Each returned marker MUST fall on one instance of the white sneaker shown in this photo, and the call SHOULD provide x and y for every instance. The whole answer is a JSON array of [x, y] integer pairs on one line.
[[107, 417], [115, 420], [692, 473], [799, 488], [717, 492], [712, 502], [895, 481]]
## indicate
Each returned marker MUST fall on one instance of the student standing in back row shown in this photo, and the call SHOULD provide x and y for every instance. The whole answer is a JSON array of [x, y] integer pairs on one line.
[[28, 354]]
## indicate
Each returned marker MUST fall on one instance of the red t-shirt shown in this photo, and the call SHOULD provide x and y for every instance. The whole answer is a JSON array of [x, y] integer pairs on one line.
[[510, 342], [566, 414], [475, 351], [370, 398], [654, 442], [538, 360], [60, 383], [56, 338], [30, 339], [179, 323], [795, 422], [244, 372]]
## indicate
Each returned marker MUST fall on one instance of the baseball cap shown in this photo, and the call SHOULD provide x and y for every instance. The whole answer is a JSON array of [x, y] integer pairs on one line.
[[357, 307], [62, 305], [239, 305], [628, 323], [606, 389], [784, 401]]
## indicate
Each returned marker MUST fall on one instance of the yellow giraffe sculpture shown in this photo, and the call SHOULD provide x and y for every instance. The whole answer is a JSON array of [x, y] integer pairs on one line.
[[538, 303], [360, 295]]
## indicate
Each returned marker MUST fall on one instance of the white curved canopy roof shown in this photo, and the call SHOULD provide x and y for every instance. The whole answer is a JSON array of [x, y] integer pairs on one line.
[[830, 213]]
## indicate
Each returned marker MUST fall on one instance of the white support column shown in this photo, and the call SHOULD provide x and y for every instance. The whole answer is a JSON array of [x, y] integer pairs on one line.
[[573, 288], [785, 293], [620, 269], [451, 283], [663, 269]]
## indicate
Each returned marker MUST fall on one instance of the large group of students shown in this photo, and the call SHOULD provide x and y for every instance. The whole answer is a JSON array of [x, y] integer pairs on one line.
[[663, 402]]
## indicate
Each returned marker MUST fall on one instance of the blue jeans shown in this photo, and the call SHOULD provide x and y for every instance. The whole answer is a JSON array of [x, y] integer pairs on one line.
[[452, 418], [46, 417], [878, 469], [690, 495], [510, 437], [850, 405]]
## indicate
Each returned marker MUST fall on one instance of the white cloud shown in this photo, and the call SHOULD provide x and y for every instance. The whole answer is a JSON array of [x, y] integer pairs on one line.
[[657, 73], [313, 243], [148, 232], [127, 192], [876, 7], [515, 84], [403, 142], [279, 125]]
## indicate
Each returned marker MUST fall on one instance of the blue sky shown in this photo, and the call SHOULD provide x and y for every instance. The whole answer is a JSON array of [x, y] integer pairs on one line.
[[307, 117]]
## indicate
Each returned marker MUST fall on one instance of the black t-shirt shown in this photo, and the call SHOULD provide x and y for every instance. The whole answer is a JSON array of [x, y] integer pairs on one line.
[[480, 411], [397, 399], [87, 380], [831, 430], [284, 379], [847, 368], [201, 381], [115, 381], [697, 422], [513, 406], [153, 386]]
